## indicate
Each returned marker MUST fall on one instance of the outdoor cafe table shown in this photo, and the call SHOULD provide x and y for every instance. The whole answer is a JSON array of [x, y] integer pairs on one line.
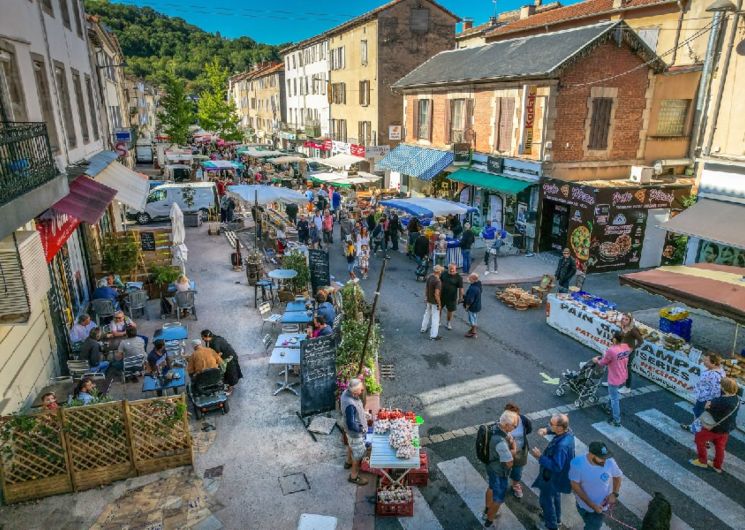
[[383, 457], [297, 317], [284, 340], [288, 357], [297, 305], [282, 275], [171, 333], [152, 384]]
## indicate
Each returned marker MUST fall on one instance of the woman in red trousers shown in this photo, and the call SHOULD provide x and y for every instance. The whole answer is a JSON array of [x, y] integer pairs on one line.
[[724, 411]]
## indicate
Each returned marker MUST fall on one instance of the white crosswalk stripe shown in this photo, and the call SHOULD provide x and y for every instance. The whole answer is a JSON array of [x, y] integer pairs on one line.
[[471, 486], [732, 465], [736, 434], [423, 518], [698, 491]]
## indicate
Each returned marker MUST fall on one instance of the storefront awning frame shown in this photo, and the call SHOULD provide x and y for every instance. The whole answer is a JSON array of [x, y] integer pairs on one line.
[[490, 181], [712, 220], [87, 200], [419, 162]]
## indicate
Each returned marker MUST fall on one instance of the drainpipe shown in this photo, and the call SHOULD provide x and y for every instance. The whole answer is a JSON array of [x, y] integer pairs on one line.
[[723, 80], [677, 32], [705, 83]]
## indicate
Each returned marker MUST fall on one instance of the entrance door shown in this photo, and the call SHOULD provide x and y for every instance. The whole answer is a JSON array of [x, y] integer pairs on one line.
[[495, 211], [559, 227], [654, 238]]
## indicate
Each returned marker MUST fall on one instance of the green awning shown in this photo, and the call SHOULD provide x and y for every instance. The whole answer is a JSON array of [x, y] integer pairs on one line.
[[490, 181]]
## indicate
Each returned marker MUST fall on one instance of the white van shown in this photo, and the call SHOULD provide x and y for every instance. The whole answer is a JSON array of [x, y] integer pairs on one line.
[[161, 198]]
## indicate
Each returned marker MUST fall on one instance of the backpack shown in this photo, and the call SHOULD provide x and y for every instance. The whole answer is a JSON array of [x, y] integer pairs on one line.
[[483, 442]]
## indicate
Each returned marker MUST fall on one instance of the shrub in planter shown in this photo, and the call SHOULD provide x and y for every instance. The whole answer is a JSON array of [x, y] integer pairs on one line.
[[297, 262], [163, 276]]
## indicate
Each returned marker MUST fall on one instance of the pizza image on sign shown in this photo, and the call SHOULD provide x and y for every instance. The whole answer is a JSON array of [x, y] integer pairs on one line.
[[580, 241]]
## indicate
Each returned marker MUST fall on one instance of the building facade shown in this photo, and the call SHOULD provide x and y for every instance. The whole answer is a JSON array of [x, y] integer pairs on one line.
[[259, 96], [142, 110]]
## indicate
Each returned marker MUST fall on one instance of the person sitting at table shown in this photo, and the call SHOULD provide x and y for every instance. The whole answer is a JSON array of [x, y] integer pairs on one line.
[[49, 401], [233, 373], [319, 328], [157, 360], [131, 348], [82, 328], [203, 358], [90, 351], [107, 291], [85, 391], [324, 307]]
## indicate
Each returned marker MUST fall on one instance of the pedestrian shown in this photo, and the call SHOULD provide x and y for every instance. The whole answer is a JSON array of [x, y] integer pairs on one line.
[[346, 225], [233, 373], [707, 388], [441, 250], [303, 230], [336, 202], [452, 292], [455, 226], [355, 428], [472, 303], [292, 210], [370, 220], [393, 231], [432, 290], [325, 308], [413, 229], [350, 252], [523, 428], [362, 238], [318, 225], [378, 234], [717, 424], [616, 358], [501, 451], [565, 270], [632, 337], [492, 252], [363, 260], [421, 248], [328, 227], [596, 483], [553, 473], [466, 242]]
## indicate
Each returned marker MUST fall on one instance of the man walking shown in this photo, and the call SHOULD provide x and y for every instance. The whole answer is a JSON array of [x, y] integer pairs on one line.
[[452, 291], [502, 451], [565, 270], [596, 482], [553, 476], [432, 290], [472, 303], [466, 242]]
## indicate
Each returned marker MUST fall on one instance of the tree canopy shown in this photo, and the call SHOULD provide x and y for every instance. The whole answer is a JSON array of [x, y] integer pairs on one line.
[[154, 43], [178, 111], [215, 112]]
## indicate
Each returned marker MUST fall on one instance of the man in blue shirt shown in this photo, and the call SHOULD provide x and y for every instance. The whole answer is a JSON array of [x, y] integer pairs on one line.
[[107, 292], [336, 202], [325, 309]]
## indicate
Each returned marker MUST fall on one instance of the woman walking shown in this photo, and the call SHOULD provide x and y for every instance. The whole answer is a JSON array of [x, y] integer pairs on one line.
[[722, 412], [707, 388], [616, 358], [350, 252], [328, 227]]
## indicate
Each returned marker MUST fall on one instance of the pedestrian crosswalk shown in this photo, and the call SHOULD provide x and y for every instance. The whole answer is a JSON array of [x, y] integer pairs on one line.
[[706, 502], [737, 435]]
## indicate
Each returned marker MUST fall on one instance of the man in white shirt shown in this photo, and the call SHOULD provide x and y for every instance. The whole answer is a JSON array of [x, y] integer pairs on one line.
[[596, 483], [82, 328]]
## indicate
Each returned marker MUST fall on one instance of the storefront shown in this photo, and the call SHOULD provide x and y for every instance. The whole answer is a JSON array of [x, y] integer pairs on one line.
[[608, 225], [416, 170]]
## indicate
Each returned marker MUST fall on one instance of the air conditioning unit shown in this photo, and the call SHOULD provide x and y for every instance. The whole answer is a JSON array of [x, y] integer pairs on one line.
[[641, 174]]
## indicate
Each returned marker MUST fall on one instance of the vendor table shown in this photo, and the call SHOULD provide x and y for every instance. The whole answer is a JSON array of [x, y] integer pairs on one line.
[[287, 357], [383, 457], [297, 317], [151, 384]]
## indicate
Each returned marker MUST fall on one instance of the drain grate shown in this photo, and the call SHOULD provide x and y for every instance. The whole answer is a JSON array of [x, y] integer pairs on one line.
[[387, 371]]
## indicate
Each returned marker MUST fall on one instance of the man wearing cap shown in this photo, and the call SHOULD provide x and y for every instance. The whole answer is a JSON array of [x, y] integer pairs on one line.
[[596, 482]]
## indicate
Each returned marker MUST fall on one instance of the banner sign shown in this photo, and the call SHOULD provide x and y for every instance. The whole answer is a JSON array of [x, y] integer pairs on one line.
[[357, 150], [340, 147], [529, 95], [377, 151], [394, 132], [328, 145], [55, 229], [317, 145]]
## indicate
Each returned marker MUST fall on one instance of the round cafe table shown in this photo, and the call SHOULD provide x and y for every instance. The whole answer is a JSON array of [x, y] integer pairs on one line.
[[282, 276]]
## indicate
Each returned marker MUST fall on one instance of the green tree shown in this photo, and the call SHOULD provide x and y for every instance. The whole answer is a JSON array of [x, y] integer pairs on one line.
[[215, 112], [178, 112]]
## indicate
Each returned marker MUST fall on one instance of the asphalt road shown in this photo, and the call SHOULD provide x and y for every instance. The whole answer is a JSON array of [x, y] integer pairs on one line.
[[459, 382]]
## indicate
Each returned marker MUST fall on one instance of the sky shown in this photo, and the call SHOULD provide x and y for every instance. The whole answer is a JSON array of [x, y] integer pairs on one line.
[[281, 21]]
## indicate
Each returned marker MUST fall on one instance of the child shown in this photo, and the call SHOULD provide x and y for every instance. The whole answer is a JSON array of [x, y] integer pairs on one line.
[[364, 260], [351, 253], [441, 250]]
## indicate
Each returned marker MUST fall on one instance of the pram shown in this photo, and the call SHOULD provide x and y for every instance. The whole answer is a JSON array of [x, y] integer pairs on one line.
[[422, 269], [583, 382]]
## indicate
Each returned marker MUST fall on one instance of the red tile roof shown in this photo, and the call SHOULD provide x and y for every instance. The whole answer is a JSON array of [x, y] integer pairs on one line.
[[503, 18], [586, 9]]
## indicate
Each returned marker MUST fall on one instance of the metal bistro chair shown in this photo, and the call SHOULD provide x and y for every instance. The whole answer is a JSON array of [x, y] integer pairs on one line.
[[78, 369], [103, 308], [267, 341], [185, 301], [132, 367], [137, 300], [265, 310], [337, 321]]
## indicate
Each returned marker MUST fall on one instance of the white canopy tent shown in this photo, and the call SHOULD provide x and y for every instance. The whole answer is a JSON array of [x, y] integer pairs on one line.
[[286, 159], [256, 153], [266, 194], [340, 161], [428, 206]]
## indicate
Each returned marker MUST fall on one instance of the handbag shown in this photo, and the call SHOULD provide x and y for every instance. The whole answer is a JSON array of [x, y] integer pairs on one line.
[[708, 422]]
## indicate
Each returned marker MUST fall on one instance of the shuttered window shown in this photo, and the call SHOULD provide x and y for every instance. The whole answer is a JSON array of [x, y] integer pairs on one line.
[[423, 117], [504, 125], [600, 125], [458, 118], [364, 93]]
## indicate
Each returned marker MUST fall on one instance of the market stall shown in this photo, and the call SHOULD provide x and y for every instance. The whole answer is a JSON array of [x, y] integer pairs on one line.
[[664, 357]]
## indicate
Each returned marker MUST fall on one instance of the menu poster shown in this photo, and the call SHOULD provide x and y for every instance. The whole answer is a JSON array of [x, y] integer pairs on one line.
[[147, 241], [618, 244], [318, 375], [318, 262]]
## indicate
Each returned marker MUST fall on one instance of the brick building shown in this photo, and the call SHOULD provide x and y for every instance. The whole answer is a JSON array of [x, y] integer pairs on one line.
[[567, 106]]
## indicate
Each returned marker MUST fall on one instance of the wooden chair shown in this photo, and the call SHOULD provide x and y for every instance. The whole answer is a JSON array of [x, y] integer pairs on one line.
[[547, 283], [265, 310]]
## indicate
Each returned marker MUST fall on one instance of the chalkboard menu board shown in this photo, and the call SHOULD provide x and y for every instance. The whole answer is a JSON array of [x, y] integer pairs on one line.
[[147, 240], [318, 375], [318, 261]]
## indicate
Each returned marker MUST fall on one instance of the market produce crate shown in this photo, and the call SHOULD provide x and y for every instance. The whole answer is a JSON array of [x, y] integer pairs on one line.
[[419, 476], [365, 467], [674, 313], [394, 509], [681, 328]]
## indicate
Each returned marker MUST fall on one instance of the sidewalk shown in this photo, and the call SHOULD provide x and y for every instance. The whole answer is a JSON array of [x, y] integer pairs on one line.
[[257, 469], [516, 269]]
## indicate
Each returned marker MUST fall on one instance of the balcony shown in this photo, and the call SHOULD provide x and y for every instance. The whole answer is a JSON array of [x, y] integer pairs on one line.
[[29, 180], [313, 130]]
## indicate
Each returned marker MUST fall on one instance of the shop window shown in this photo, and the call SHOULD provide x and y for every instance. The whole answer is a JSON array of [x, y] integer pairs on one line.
[[364, 93], [78, 87], [600, 123], [673, 116], [504, 125], [460, 117], [423, 119], [11, 89], [45, 103], [65, 10]]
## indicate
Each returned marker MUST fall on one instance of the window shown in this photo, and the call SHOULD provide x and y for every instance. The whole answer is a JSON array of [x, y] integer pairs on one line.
[[92, 107], [45, 102], [339, 93], [294, 86], [337, 58], [78, 87], [76, 16], [600, 124], [46, 5], [156, 196], [504, 126], [65, 10], [460, 116], [364, 93], [673, 116], [339, 130], [11, 91], [423, 119], [364, 132], [363, 52]]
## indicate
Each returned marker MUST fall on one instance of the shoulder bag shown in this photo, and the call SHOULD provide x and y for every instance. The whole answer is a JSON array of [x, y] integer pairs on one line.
[[708, 422]]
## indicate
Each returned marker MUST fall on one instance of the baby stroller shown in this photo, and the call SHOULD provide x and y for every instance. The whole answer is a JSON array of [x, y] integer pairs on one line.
[[206, 392], [583, 382], [422, 269]]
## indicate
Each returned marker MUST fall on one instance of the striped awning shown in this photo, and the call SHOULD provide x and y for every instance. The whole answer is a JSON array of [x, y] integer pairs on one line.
[[87, 200], [420, 162]]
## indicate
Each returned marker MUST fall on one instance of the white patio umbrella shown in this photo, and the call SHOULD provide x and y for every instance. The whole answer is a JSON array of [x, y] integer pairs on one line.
[[263, 195], [178, 235], [341, 161]]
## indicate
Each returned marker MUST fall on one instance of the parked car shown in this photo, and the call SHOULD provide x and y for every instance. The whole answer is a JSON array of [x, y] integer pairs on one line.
[[190, 196]]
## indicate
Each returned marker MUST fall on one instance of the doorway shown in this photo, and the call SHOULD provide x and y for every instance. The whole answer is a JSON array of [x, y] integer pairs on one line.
[[554, 226]]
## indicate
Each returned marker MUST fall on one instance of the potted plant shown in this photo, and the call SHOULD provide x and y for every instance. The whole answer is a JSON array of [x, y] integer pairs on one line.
[[120, 255], [162, 276], [297, 262]]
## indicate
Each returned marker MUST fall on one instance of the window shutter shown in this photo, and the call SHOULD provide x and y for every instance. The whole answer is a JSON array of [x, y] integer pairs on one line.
[[344, 93], [415, 123], [498, 124], [507, 111], [469, 115], [448, 116], [362, 93], [600, 125], [430, 118]]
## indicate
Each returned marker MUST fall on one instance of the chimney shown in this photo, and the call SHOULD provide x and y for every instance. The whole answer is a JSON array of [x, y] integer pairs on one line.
[[618, 4], [538, 3], [467, 24], [492, 21], [526, 11]]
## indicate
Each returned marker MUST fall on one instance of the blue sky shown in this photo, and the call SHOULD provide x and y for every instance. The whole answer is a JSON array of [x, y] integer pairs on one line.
[[283, 21]]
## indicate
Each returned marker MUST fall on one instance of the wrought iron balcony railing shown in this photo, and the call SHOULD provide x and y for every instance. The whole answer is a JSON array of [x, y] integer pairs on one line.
[[26, 160]]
